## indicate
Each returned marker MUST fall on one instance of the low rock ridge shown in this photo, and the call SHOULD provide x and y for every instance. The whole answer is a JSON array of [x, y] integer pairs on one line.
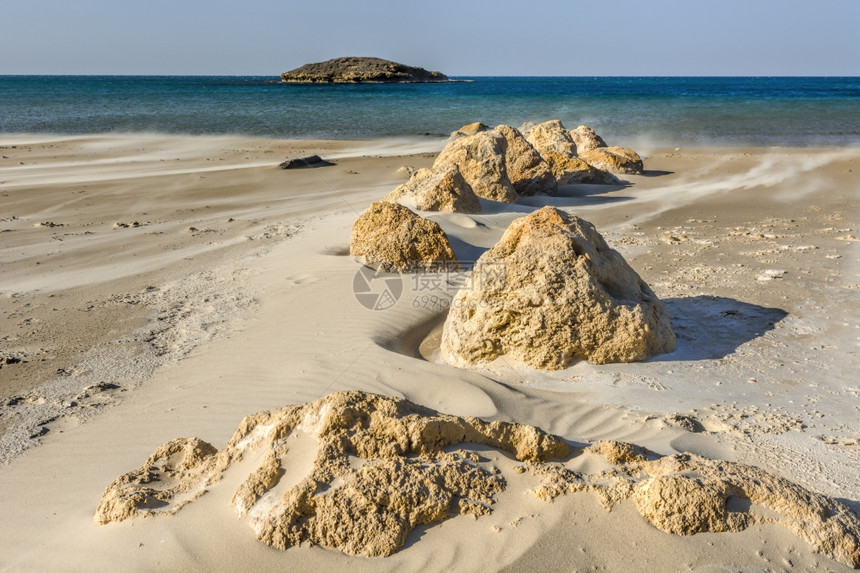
[[355, 70], [358, 472]]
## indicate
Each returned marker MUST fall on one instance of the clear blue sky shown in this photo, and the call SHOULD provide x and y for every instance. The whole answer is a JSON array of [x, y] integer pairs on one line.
[[506, 37]]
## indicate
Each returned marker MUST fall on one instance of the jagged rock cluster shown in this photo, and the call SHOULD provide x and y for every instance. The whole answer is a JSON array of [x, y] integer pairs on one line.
[[382, 466], [552, 291], [504, 163], [499, 164], [560, 149]]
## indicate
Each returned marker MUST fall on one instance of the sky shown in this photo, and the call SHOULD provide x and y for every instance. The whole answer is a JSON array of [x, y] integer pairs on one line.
[[457, 37]]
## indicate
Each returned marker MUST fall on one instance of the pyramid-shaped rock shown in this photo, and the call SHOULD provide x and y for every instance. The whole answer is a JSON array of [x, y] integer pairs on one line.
[[551, 292], [480, 157], [551, 137], [527, 170], [586, 139]]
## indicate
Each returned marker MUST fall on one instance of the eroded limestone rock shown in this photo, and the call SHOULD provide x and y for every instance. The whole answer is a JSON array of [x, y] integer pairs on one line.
[[172, 476], [499, 164], [685, 505], [528, 172], [558, 149], [586, 139], [685, 494], [481, 160], [438, 189], [378, 467], [357, 472], [392, 238], [568, 170], [552, 291], [551, 137], [469, 129], [614, 159]]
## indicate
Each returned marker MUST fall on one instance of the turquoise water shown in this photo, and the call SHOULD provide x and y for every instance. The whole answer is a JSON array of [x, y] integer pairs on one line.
[[625, 110]]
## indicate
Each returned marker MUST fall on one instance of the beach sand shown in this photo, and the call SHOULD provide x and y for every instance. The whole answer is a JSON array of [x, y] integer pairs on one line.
[[159, 287]]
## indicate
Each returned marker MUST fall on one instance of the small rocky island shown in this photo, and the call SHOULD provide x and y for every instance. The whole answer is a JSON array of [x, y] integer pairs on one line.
[[360, 71]]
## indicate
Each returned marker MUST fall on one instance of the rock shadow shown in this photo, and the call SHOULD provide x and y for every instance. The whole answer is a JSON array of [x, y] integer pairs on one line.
[[579, 194], [712, 327], [490, 207], [335, 251], [655, 173], [707, 328], [853, 504], [466, 252], [585, 189], [412, 341], [567, 196]]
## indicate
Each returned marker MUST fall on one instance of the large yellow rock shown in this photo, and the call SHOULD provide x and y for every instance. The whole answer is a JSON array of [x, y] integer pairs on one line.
[[558, 149], [481, 160], [568, 170], [551, 137], [392, 238], [527, 170], [438, 189], [551, 291], [586, 139], [376, 468], [469, 129], [613, 159], [499, 164]]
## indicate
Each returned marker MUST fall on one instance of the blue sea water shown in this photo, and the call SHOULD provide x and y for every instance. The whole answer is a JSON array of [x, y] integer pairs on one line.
[[773, 111]]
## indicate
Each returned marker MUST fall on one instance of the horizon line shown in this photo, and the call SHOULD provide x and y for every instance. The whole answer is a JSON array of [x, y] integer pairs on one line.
[[179, 75]]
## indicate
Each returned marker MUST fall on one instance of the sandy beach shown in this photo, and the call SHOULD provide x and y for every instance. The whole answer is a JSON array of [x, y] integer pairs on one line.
[[158, 287]]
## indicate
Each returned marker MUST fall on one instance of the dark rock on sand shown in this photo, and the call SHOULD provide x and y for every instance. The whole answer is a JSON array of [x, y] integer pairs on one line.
[[305, 162]]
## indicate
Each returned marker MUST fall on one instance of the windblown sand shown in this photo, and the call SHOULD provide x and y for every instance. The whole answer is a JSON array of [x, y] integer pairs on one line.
[[157, 287]]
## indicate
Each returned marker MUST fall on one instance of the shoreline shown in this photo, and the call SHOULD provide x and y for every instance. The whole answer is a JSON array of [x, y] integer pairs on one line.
[[253, 310], [431, 140]]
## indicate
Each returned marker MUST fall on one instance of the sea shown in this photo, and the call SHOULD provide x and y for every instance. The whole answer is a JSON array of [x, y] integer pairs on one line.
[[630, 111]]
